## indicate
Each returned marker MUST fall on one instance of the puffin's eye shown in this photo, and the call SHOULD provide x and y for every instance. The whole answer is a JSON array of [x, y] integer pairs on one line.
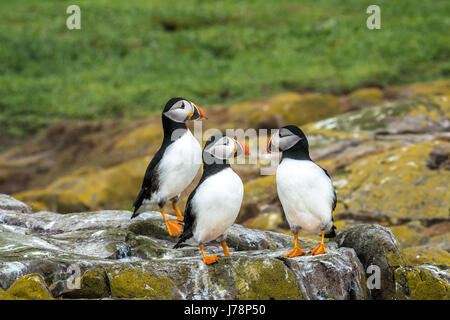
[[182, 105]]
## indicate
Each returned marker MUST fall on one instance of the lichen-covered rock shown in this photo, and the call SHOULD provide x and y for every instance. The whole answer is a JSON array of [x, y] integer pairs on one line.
[[266, 221], [9, 203], [397, 185], [141, 137], [420, 283], [55, 200], [92, 284], [247, 275], [30, 287], [331, 277], [408, 237], [88, 187], [430, 255], [6, 296], [366, 97], [290, 108], [375, 246], [110, 255]]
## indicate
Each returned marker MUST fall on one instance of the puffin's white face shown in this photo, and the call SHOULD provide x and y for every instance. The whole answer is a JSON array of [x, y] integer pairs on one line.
[[181, 111], [225, 148], [282, 140]]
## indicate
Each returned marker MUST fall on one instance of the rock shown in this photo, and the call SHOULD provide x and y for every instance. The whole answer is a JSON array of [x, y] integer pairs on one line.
[[330, 276], [6, 296], [110, 255], [427, 255], [92, 284], [9, 203], [383, 185], [249, 210], [89, 187], [366, 97], [266, 221], [375, 246], [288, 108], [247, 275], [439, 158], [30, 287], [140, 138], [55, 200], [420, 283], [408, 237]]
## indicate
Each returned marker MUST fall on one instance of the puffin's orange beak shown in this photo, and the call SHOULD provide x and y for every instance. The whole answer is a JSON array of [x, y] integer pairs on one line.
[[243, 149], [199, 114], [266, 147]]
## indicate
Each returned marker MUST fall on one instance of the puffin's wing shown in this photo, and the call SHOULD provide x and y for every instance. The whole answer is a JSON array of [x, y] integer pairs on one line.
[[189, 220], [334, 191], [332, 232], [150, 183]]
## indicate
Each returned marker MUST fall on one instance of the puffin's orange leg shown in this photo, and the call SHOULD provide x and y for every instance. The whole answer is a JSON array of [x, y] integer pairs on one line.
[[297, 250], [208, 259], [177, 210], [320, 249], [225, 248], [174, 228]]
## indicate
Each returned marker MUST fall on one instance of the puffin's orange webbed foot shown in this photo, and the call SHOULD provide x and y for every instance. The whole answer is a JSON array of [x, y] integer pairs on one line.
[[295, 253], [210, 259], [297, 250], [174, 228], [320, 249]]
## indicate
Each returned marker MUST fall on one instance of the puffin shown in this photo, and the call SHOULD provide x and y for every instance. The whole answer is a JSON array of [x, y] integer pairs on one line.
[[174, 165], [305, 189], [214, 204]]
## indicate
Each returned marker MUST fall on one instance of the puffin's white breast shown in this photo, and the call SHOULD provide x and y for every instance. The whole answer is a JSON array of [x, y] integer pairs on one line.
[[216, 205], [179, 165], [306, 193]]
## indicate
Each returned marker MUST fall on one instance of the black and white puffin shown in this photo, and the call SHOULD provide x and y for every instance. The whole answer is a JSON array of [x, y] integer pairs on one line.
[[214, 204], [305, 189], [174, 165]]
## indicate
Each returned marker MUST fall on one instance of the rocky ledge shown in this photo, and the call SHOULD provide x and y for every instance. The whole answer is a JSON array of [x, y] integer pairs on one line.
[[104, 254]]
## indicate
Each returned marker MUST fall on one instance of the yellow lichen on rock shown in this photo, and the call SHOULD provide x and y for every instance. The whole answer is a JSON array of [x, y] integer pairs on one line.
[[265, 279], [408, 237], [53, 200], [30, 287], [427, 255], [91, 188], [397, 184], [266, 221], [143, 137], [293, 108], [366, 97], [260, 188], [418, 283], [137, 283]]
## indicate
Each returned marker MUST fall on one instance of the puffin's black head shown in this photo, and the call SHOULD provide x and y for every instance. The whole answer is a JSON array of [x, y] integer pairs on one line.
[[288, 139], [181, 110], [219, 148]]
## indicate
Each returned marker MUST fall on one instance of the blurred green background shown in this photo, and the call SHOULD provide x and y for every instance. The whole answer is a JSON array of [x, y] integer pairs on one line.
[[131, 56]]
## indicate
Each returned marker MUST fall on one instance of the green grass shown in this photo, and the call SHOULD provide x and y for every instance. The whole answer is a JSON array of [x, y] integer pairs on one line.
[[131, 56]]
